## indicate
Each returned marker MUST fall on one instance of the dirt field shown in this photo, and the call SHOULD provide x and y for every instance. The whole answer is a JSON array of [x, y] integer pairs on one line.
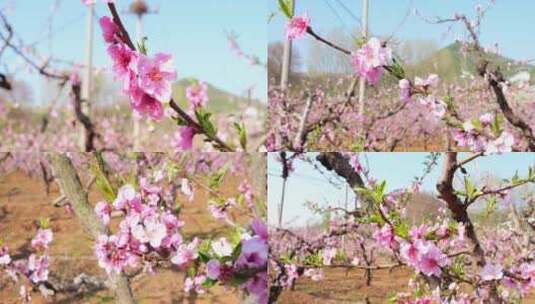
[[23, 201], [342, 286], [348, 286]]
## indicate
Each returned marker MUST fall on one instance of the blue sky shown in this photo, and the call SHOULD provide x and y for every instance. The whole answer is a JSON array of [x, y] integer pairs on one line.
[[509, 22], [398, 169], [194, 31]]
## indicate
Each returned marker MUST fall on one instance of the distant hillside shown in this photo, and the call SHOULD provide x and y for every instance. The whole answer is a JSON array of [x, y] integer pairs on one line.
[[450, 64], [220, 100]]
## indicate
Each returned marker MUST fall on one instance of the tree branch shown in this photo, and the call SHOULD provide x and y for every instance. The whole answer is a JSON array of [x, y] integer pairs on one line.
[[70, 185], [219, 144]]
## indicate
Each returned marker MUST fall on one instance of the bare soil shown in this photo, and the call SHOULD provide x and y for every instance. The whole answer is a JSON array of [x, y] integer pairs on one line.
[[349, 286]]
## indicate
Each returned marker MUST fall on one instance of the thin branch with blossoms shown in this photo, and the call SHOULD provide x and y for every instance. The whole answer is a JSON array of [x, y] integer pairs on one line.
[[494, 77], [373, 58], [449, 240], [184, 118]]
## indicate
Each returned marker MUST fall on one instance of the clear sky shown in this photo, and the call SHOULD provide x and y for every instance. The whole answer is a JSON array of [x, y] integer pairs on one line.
[[194, 31], [398, 169], [509, 22]]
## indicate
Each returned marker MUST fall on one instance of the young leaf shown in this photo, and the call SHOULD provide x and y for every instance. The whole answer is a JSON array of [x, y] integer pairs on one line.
[[203, 118], [471, 190], [242, 133], [44, 222], [286, 6], [491, 205], [217, 178], [496, 125], [208, 283], [142, 46]]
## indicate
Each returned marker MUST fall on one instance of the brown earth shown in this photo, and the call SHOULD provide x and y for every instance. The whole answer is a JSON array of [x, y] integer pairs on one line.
[[23, 201], [349, 286]]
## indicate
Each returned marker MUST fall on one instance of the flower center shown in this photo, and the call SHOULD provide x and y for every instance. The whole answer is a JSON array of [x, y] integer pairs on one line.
[[155, 75]]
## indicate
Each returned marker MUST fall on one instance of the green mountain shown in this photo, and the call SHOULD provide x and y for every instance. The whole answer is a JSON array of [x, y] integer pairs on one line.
[[220, 100], [450, 63]]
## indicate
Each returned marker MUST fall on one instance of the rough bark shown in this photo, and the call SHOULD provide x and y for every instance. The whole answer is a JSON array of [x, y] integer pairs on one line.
[[70, 184], [335, 161], [83, 118], [460, 213]]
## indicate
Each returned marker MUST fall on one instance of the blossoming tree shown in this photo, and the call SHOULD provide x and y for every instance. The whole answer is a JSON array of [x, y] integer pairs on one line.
[[423, 110], [147, 81], [138, 227], [452, 258]]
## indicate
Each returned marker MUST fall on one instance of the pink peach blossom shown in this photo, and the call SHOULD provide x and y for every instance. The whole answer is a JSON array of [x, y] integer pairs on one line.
[[197, 95], [297, 27], [183, 138], [110, 30], [155, 75]]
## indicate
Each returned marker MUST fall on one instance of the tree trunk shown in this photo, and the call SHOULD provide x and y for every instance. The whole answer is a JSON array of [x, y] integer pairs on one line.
[[70, 185]]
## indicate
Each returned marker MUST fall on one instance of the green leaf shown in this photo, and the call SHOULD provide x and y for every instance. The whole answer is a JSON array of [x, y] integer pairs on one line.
[[531, 176], [234, 237], [216, 179], [491, 205], [236, 252], [208, 283], [471, 190], [365, 193], [515, 180], [204, 256], [142, 46], [242, 133], [103, 184], [44, 222], [450, 102], [192, 271], [477, 124], [286, 6], [393, 299], [380, 191], [181, 122], [375, 218], [496, 125], [313, 260], [397, 70], [458, 267], [402, 230], [203, 118], [106, 299], [239, 279]]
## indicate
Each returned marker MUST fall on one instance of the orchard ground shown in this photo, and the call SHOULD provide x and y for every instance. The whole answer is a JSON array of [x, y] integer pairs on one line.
[[342, 285], [24, 200]]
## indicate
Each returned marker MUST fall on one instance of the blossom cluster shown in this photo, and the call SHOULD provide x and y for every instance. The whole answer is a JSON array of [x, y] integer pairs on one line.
[[242, 263], [472, 135], [439, 250], [368, 61], [146, 80], [482, 134], [430, 101], [148, 228], [149, 232], [197, 95], [34, 268]]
